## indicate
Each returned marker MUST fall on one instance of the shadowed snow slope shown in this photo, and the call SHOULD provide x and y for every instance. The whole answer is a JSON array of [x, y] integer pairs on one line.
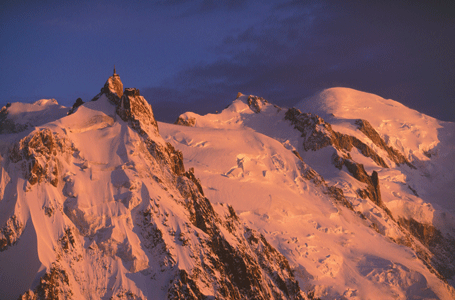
[[17, 117], [341, 187]]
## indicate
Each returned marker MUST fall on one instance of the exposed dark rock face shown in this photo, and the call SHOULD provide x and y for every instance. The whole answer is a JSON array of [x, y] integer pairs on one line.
[[256, 103], [36, 154], [113, 89], [76, 104], [167, 155], [312, 127], [365, 127], [251, 270], [133, 108], [184, 287], [318, 134], [190, 122], [267, 255], [335, 193], [443, 248], [190, 175], [54, 285], [357, 170], [10, 232]]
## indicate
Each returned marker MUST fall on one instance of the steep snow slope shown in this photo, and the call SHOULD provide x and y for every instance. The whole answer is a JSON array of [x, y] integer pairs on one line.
[[96, 205], [340, 237]]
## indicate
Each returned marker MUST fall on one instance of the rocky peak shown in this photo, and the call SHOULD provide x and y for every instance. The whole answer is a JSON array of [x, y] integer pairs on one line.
[[113, 89], [256, 103], [135, 109], [114, 85]]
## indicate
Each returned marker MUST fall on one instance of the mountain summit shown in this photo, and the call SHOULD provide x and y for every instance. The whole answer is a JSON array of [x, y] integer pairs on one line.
[[97, 205]]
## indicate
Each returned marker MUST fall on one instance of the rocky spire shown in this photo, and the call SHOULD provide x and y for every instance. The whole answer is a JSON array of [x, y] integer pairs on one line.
[[113, 88]]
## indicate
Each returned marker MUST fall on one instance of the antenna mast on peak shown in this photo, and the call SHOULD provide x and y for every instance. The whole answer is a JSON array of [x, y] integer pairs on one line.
[[114, 71]]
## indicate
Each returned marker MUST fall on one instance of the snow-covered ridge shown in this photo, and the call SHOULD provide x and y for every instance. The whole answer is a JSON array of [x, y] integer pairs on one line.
[[405, 129], [386, 179]]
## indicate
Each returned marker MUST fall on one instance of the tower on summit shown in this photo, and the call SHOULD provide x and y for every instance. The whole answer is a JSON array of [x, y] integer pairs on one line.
[[114, 71]]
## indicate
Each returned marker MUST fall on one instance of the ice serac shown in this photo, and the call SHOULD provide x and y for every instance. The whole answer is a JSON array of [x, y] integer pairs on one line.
[[97, 205]]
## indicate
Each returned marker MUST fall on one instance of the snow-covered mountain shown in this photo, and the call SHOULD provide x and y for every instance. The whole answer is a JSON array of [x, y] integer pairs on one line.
[[355, 190], [95, 204], [345, 196]]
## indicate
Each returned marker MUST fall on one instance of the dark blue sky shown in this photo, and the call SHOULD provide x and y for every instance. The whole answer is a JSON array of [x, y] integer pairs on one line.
[[196, 56]]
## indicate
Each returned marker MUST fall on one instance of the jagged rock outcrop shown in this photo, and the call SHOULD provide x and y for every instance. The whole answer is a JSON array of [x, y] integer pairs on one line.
[[442, 248], [35, 154], [251, 270], [335, 193], [357, 170], [76, 104], [10, 232], [113, 89], [318, 134], [135, 110], [365, 127], [54, 285], [185, 121], [256, 103]]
